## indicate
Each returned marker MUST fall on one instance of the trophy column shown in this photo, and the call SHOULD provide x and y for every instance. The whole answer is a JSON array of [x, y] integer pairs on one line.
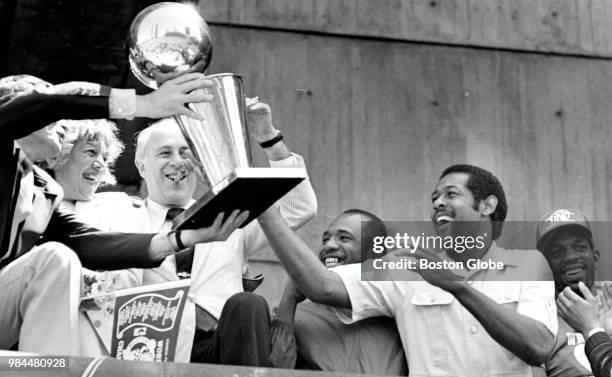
[[170, 39]]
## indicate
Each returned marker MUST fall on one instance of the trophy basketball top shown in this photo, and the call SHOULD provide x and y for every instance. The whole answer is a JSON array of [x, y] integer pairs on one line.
[[167, 40]]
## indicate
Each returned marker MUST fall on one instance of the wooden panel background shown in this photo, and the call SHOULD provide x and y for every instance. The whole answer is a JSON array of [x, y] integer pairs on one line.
[[378, 121], [559, 26]]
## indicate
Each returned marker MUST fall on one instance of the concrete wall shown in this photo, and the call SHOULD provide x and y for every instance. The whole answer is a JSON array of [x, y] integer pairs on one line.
[[381, 95], [379, 118], [558, 26]]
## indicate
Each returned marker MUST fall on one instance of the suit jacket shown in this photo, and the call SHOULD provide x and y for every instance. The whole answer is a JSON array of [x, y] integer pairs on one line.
[[96, 250], [47, 195]]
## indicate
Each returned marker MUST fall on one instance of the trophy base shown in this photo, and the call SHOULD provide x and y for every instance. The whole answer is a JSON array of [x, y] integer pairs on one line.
[[252, 189]]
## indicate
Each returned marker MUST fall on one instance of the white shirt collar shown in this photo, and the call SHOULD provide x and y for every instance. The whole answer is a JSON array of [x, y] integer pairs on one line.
[[157, 212]]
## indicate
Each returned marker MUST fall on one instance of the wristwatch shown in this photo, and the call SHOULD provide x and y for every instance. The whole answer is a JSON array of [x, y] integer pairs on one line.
[[271, 142], [176, 235]]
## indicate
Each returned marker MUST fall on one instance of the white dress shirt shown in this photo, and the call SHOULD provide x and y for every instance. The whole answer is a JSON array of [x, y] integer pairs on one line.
[[217, 266], [440, 336]]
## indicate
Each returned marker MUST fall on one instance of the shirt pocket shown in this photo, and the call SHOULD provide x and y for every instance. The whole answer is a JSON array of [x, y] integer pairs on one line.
[[504, 294], [507, 295], [432, 306]]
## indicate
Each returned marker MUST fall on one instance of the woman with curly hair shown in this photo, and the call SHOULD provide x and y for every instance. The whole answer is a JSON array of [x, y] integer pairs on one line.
[[88, 152], [48, 274]]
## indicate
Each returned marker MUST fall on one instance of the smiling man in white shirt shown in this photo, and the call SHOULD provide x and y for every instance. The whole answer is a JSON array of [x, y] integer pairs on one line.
[[46, 279], [483, 322], [222, 308]]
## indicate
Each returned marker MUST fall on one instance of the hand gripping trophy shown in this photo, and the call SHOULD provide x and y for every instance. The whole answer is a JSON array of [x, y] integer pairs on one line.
[[167, 40]]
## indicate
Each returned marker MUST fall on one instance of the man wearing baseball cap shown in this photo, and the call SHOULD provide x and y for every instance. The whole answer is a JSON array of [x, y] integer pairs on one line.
[[564, 237]]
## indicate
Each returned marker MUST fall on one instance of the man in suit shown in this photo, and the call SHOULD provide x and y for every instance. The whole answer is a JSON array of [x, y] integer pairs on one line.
[[232, 326], [45, 280], [35, 109]]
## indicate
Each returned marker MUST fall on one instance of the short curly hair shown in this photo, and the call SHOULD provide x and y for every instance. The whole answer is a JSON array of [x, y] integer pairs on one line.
[[481, 184], [374, 227], [89, 129]]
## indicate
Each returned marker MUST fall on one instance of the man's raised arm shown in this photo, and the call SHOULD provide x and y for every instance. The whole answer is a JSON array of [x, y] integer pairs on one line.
[[29, 112], [312, 277], [526, 337]]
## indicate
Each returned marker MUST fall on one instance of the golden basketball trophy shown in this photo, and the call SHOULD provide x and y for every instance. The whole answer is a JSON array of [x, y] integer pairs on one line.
[[170, 39]]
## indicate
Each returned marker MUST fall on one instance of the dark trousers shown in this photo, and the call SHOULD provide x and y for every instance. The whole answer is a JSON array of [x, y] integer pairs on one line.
[[242, 336]]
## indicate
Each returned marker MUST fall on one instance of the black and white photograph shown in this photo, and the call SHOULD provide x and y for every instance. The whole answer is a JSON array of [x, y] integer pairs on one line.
[[306, 188]]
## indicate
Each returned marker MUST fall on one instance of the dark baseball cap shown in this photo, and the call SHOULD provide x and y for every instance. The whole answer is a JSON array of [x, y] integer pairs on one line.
[[559, 219]]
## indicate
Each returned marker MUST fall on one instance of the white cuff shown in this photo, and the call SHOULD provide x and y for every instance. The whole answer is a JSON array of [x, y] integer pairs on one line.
[[122, 104], [286, 162], [596, 329]]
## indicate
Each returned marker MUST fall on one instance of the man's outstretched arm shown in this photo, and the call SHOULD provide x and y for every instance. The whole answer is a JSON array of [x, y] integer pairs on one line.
[[27, 113], [313, 279], [522, 335], [114, 250], [526, 337]]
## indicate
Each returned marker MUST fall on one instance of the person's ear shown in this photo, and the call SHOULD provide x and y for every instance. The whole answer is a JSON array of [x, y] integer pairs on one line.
[[596, 259], [141, 167], [487, 206]]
